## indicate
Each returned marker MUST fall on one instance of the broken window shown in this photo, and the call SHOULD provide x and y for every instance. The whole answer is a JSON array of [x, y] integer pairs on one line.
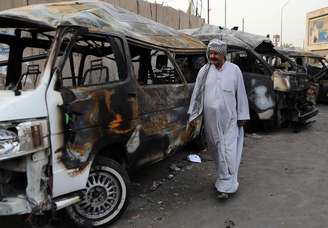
[[152, 66], [32, 66], [190, 65], [246, 61], [22, 59], [91, 61], [4, 55]]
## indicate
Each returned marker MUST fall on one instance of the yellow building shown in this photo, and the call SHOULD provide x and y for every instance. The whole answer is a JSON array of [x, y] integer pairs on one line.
[[316, 39]]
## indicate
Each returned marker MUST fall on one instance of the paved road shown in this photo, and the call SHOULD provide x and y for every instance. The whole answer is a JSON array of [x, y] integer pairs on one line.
[[283, 183], [283, 178]]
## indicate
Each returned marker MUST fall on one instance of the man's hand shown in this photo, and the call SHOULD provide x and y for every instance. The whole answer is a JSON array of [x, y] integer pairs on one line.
[[241, 123]]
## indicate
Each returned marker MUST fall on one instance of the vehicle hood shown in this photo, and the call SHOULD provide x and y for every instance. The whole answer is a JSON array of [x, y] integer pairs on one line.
[[28, 105]]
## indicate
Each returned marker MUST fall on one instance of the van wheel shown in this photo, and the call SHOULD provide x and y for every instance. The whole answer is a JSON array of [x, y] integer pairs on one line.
[[105, 198]]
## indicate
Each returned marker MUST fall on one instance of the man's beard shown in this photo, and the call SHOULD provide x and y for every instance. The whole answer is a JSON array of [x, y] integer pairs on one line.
[[216, 61]]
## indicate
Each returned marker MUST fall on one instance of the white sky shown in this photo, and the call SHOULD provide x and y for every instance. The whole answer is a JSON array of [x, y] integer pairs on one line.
[[261, 16]]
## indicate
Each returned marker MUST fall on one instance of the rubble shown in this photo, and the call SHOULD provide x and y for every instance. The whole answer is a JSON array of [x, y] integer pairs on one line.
[[155, 185], [174, 167], [170, 176], [194, 158]]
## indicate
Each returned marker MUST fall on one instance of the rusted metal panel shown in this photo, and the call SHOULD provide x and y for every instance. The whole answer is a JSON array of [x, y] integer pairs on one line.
[[97, 16]]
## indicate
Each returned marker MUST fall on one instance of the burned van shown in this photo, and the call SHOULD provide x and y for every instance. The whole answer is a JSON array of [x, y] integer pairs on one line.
[[88, 92], [316, 67], [277, 94]]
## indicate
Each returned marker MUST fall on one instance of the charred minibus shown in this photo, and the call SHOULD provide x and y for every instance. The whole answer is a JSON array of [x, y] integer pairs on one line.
[[88, 93]]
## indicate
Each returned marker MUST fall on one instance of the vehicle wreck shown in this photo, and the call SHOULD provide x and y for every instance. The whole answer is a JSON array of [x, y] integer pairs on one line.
[[277, 93], [317, 68], [88, 92]]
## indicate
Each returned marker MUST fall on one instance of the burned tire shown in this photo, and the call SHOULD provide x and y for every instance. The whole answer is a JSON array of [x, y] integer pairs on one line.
[[105, 198]]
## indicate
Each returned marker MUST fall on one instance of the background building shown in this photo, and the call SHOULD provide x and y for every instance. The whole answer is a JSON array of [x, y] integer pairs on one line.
[[316, 39]]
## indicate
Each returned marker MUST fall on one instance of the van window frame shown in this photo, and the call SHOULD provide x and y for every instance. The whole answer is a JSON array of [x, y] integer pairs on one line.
[[249, 52], [124, 56], [167, 52]]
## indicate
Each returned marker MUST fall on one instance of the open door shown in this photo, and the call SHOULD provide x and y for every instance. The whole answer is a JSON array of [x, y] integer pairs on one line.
[[98, 100]]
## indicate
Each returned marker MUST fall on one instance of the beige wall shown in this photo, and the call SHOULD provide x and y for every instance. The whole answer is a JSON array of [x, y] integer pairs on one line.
[[162, 14], [316, 24]]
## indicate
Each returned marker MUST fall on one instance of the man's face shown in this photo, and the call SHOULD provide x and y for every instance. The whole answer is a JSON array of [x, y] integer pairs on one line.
[[216, 58]]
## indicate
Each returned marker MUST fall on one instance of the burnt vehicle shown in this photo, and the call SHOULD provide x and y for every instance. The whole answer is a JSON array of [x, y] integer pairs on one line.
[[88, 93], [277, 93], [315, 65]]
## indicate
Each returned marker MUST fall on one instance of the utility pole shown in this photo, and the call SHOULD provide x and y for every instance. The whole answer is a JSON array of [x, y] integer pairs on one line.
[[243, 25], [208, 11], [225, 13], [281, 19]]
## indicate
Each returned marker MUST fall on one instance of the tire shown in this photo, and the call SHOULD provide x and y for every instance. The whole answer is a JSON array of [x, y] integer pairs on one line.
[[106, 178]]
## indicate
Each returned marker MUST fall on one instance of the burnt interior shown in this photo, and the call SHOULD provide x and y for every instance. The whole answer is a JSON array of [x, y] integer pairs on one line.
[[23, 58]]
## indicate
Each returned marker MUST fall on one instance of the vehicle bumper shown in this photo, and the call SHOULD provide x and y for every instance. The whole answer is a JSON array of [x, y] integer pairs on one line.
[[304, 117], [14, 206]]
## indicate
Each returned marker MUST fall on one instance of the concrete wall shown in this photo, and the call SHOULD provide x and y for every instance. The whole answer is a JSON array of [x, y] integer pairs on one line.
[[162, 14]]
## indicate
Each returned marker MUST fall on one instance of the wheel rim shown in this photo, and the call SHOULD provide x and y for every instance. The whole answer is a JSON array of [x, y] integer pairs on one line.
[[101, 196]]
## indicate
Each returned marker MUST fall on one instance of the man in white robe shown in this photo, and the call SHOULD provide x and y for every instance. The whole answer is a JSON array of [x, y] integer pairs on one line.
[[220, 96]]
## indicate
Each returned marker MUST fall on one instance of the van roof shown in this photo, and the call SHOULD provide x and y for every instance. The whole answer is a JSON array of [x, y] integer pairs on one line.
[[298, 52], [97, 16], [231, 37]]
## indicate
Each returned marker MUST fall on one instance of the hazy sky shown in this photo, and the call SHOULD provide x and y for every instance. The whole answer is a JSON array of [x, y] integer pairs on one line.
[[261, 16]]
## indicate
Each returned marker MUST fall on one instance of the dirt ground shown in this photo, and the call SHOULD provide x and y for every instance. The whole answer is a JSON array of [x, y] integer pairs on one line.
[[283, 182]]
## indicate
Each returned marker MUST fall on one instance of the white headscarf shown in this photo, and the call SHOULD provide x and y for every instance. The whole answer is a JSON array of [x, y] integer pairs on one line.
[[217, 45]]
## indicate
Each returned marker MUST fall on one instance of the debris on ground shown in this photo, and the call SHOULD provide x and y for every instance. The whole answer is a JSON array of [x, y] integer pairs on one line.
[[229, 224], [155, 185], [255, 136], [194, 158], [144, 196], [170, 176], [174, 167]]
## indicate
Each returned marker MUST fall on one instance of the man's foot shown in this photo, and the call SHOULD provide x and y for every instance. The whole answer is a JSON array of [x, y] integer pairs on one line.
[[222, 195]]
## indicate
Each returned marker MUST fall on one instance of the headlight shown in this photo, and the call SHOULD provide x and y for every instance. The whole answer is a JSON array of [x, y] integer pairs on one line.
[[31, 135], [8, 142]]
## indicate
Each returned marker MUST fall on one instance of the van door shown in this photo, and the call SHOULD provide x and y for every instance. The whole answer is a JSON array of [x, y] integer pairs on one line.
[[163, 101], [98, 105]]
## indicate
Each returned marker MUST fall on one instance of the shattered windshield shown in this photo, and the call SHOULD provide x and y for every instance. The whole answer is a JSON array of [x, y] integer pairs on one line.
[[23, 56]]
